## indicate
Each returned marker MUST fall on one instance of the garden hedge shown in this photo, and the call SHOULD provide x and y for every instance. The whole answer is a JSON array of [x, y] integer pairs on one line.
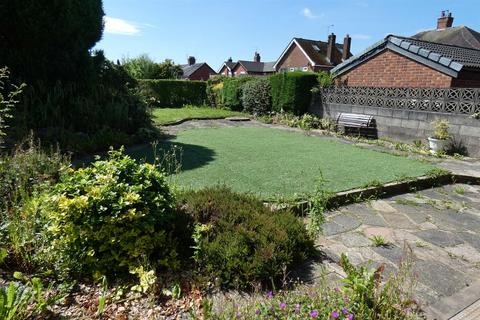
[[232, 92], [291, 91], [173, 93]]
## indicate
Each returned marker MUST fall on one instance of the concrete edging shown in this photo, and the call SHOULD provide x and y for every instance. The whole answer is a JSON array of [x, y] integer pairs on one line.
[[390, 189]]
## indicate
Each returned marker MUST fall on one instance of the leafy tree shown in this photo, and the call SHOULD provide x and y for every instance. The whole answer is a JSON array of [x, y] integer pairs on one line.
[[49, 39], [169, 70], [141, 67]]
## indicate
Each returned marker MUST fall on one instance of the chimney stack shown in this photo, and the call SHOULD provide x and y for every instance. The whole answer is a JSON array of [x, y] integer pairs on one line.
[[331, 44], [445, 21], [256, 57], [230, 59], [191, 61], [347, 42]]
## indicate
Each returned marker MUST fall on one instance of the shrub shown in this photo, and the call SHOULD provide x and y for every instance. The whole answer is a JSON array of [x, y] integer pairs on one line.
[[324, 79], [173, 93], [441, 129], [108, 219], [257, 97], [232, 92], [214, 91], [309, 122], [291, 91], [239, 241]]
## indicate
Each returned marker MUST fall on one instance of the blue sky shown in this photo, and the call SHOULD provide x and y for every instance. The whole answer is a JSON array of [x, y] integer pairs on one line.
[[213, 30]]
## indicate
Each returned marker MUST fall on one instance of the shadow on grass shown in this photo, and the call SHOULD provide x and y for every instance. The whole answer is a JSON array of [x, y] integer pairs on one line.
[[167, 152]]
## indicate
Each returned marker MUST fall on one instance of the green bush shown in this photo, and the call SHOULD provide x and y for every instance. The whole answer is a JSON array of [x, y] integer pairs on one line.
[[26, 171], [110, 218], [214, 91], [291, 91], [239, 241], [173, 93], [232, 92], [257, 97]]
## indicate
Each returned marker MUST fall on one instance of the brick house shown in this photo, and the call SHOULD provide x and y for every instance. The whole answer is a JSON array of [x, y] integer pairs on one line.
[[196, 71], [413, 62], [313, 55], [226, 68], [244, 67]]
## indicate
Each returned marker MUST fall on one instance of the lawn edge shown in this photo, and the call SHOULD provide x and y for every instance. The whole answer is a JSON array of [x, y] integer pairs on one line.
[[390, 189]]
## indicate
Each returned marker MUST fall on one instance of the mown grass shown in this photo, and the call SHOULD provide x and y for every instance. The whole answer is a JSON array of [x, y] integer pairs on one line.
[[275, 163], [165, 116]]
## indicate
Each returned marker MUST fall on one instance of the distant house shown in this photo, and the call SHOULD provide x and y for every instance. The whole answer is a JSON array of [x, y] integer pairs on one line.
[[244, 67], [196, 71], [313, 55], [445, 33], [226, 68], [397, 61]]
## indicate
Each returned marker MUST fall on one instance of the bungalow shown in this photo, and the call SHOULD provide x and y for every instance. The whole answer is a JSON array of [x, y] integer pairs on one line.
[[313, 55], [196, 71], [395, 61]]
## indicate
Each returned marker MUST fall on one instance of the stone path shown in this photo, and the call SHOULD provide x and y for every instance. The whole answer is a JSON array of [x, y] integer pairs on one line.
[[441, 226]]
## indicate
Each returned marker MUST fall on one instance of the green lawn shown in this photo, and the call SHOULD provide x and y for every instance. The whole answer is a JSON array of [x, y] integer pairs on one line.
[[272, 162], [163, 116]]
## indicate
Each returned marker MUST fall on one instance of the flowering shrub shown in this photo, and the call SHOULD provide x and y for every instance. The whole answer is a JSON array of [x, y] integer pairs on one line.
[[240, 242], [108, 219], [362, 297]]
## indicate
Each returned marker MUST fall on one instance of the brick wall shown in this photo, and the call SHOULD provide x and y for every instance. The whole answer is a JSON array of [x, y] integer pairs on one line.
[[202, 73], [224, 71], [238, 69], [390, 69], [294, 58]]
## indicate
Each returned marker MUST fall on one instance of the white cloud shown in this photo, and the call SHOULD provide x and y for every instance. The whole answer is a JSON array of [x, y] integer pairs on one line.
[[361, 36], [120, 26], [307, 13]]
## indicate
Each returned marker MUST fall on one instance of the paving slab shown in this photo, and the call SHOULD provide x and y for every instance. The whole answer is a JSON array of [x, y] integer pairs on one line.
[[439, 238]]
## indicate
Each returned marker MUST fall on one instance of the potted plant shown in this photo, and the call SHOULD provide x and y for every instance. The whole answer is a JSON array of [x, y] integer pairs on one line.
[[440, 137]]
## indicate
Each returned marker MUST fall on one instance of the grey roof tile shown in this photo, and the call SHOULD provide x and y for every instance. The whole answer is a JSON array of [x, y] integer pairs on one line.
[[445, 61], [424, 52], [434, 56]]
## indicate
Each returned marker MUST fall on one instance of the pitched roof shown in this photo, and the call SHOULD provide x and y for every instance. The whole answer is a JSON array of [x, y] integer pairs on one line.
[[228, 64], [188, 70], [316, 52], [447, 59], [252, 66], [458, 36]]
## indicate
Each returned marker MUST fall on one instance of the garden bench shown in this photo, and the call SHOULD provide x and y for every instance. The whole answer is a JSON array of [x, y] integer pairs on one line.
[[358, 124]]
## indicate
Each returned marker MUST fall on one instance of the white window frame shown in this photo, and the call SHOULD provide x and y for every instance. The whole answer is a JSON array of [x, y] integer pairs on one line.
[[305, 69]]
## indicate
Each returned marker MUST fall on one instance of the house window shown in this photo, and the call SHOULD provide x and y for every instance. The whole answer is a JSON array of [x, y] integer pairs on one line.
[[305, 69], [243, 72], [292, 69]]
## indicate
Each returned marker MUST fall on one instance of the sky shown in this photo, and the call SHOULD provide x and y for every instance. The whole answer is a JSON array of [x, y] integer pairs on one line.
[[214, 30]]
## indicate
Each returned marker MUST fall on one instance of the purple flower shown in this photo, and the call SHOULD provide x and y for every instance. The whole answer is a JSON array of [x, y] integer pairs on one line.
[[314, 314], [283, 305], [344, 311], [297, 308], [335, 314], [257, 312], [270, 295], [350, 317]]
